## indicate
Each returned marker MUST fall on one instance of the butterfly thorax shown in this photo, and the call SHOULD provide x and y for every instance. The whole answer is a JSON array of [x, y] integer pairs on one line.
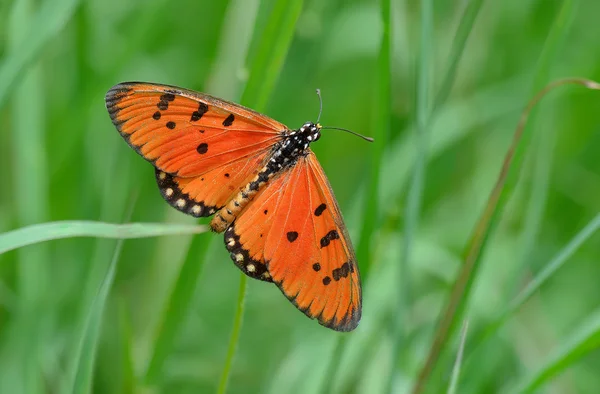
[[293, 145]]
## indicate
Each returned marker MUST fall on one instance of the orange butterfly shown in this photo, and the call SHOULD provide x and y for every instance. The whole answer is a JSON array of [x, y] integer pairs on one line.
[[262, 182]]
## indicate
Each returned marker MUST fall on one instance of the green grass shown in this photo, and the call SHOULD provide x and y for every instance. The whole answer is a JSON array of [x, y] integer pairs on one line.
[[439, 85]]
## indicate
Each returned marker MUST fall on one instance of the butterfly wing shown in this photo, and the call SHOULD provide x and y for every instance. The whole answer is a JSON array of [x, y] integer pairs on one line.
[[203, 148], [205, 194], [295, 227]]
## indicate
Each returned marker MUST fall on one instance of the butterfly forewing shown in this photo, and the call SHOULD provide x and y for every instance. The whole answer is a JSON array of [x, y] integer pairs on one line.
[[203, 148], [185, 133]]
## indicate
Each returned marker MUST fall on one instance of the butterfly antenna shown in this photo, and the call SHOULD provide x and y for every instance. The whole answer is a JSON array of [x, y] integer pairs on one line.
[[337, 128], [320, 105], [351, 132]]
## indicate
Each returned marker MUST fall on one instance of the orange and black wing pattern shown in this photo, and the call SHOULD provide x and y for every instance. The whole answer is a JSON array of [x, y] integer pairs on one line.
[[203, 148], [281, 220], [295, 227]]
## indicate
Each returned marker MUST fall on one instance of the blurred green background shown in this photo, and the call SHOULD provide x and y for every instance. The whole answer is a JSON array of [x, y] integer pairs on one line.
[[167, 321]]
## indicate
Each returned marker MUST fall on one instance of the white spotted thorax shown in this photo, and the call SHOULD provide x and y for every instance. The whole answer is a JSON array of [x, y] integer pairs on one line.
[[293, 145]]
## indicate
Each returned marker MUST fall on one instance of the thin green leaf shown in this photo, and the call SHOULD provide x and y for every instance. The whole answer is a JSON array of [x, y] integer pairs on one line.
[[381, 125], [271, 52], [543, 144], [583, 341], [463, 31], [506, 183], [542, 277], [29, 173], [235, 336], [48, 21], [502, 190], [69, 229], [85, 355], [266, 67], [233, 42], [413, 204], [453, 387], [176, 307], [126, 342]]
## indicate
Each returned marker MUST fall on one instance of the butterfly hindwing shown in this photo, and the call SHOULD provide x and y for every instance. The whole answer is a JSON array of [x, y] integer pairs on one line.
[[304, 244], [205, 194], [245, 238]]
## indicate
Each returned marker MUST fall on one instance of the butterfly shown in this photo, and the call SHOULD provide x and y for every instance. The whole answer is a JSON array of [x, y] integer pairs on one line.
[[261, 181]]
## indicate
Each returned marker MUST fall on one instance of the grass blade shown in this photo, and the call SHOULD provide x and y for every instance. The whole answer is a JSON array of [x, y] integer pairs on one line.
[[69, 229], [381, 125], [232, 45], [29, 174], [465, 28], [126, 342], [235, 336], [48, 21], [413, 205], [264, 71], [176, 307], [580, 343], [554, 265], [86, 349], [487, 222], [271, 52], [542, 277], [452, 388], [543, 145]]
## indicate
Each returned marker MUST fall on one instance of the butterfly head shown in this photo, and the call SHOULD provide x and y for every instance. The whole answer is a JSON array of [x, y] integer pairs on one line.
[[311, 131]]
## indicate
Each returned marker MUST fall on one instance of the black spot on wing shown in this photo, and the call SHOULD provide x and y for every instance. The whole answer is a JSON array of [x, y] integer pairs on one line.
[[167, 97], [202, 148], [330, 236], [341, 272], [197, 115], [320, 209], [229, 120], [163, 105]]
